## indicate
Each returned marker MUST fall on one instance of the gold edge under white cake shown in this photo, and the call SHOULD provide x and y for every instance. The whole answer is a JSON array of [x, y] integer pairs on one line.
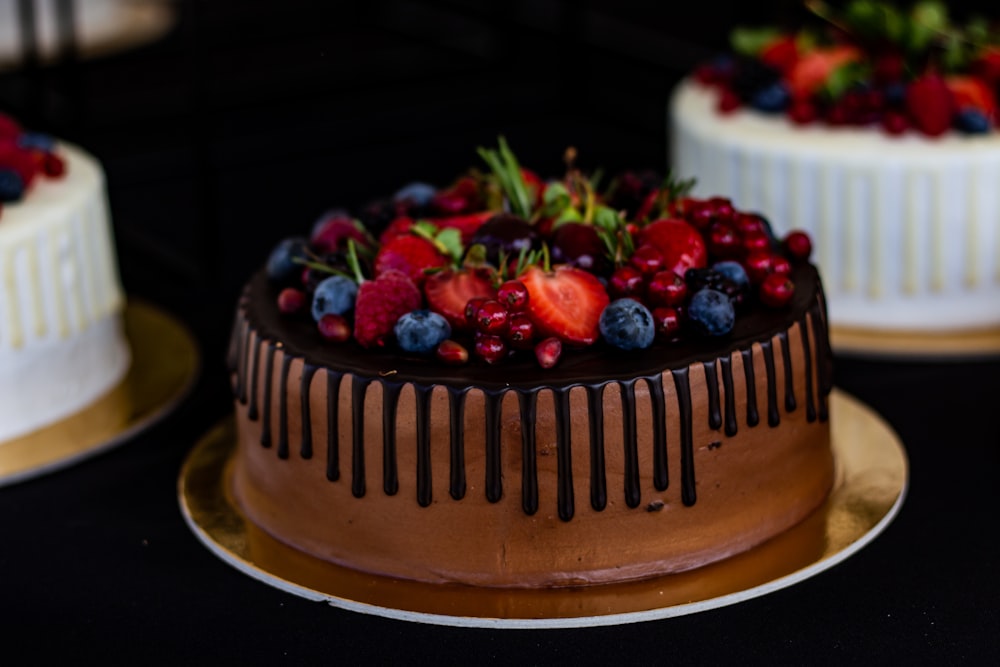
[[61, 340], [907, 228]]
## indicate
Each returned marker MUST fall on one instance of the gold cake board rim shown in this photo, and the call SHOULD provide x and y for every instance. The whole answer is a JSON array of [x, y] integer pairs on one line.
[[871, 485], [916, 345], [164, 368]]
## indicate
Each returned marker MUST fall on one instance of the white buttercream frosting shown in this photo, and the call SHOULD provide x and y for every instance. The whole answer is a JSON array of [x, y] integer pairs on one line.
[[906, 229], [61, 342]]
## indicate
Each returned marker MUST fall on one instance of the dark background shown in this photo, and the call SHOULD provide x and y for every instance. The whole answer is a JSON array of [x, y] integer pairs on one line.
[[244, 123]]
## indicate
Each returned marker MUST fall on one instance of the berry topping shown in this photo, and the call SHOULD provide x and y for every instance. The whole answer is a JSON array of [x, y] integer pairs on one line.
[[284, 262], [491, 317], [513, 295], [798, 245], [520, 331], [776, 290], [930, 104], [711, 312], [680, 244], [334, 295], [627, 324], [448, 292], [626, 281], [334, 328], [332, 231], [11, 185], [412, 255], [451, 353], [380, 304], [667, 321], [421, 331], [565, 303], [548, 351], [490, 348], [666, 288], [291, 301]]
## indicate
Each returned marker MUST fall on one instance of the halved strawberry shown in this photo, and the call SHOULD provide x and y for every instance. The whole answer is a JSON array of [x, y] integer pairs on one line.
[[398, 227], [813, 69], [466, 224], [970, 91], [930, 104], [678, 241], [447, 292], [565, 303], [412, 255]]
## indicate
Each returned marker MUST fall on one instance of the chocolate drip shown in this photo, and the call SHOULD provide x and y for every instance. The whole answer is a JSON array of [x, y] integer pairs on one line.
[[786, 360], [242, 367], [493, 406], [807, 356], [305, 391], [286, 364], [265, 424], [333, 379], [358, 387], [598, 480], [712, 383], [564, 454], [661, 480], [773, 417], [683, 386], [753, 418], [529, 466], [823, 357], [456, 405], [632, 489], [252, 413], [390, 468], [424, 479], [727, 387]]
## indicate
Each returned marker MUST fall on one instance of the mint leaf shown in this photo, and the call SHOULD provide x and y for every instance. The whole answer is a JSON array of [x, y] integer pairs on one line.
[[450, 240], [751, 41]]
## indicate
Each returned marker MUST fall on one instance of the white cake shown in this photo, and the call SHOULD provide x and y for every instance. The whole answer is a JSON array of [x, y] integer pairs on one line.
[[61, 340], [907, 227]]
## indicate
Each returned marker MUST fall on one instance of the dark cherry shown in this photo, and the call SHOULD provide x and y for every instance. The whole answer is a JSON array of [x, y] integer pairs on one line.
[[666, 288], [776, 290], [506, 234], [578, 244], [626, 281], [647, 259], [667, 321], [798, 245], [723, 241], [758, 266]]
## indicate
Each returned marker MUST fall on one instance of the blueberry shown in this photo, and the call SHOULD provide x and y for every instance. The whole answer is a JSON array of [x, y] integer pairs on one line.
[[42, 142], [895, 93], [627, 324], [334, 295], [733, 271], [417, 193], [972, 121], [421, 331], [11, 185], [711, 313], [772, 98], [281, 264]]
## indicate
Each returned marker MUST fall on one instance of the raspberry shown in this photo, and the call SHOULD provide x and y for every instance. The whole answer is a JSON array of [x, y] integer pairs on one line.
[[380, 304]]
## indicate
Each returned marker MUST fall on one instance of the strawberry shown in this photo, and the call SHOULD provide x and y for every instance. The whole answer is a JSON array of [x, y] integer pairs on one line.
[[812, 70], [987, 65], [930, 104], [680, 243], [412, 255], [398, 227], [380, 303], [782, 53], [467, 224], [565, 303], [449, 291], [463, 196], [968, 91]]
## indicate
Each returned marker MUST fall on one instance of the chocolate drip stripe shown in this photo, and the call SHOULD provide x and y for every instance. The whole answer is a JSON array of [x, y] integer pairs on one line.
[[564, 455], [286, 365], [712, 384], [359, 387], [786, 360], [424, 479], [661, 478], [456, 410], [598, 478], [773, 417], [807, 356], [390, 466], [252, 412], [305, 394], [333, 379], [823, 359], [730, 395], [529, 467], [494, 483], [243, 366], [682, 384], [753, 417], [633, 493], [265, 423]]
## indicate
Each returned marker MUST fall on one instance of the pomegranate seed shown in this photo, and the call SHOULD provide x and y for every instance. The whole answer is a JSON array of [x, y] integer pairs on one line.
[[776, 290], [451, 353], [895, 123], [334, 328], [548, 352], [291, 301], [668, 322], [729, 101]]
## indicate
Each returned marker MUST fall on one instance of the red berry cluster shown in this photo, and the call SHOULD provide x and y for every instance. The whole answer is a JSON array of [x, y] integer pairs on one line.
[[24, 156]]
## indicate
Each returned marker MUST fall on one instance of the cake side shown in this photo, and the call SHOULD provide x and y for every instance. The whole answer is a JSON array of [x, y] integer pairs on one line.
[[612, 469], [905, 226], [60, 299]]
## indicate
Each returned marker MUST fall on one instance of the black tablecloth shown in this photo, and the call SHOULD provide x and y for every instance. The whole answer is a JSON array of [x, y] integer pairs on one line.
[[226, 136]]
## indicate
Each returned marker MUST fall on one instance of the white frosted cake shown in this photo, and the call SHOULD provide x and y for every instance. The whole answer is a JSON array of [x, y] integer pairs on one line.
[[61, 341], [888, 155]]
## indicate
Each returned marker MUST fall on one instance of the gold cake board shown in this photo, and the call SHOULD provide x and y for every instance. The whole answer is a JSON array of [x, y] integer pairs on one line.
[[916, 345], [165, 364], [871, 484]]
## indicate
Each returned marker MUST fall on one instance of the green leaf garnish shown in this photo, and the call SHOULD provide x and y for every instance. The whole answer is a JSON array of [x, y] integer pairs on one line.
[[751, 41], [505, 167]]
